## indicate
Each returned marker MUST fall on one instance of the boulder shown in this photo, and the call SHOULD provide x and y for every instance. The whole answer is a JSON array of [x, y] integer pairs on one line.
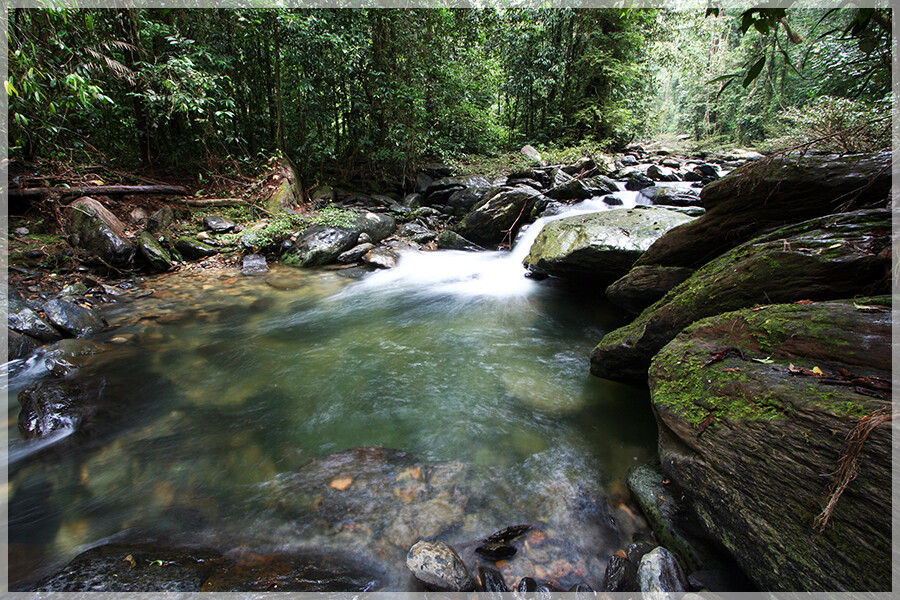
[[462, 201], [457, 183], [27, 322], [153, 252], [598, 247], [642, 286], [218, 224], [638, 181], [19, 345], [660, 173], [193, 249], [581, 189], [160, 220], [355, 253], [383, 258], [659, 573], [96, 230], [72, 318], [439, 567], [755, 409], [450, 240], [321, 244], [838, 256], [670, 196], [767, 194], [533, 154], [496, 216]]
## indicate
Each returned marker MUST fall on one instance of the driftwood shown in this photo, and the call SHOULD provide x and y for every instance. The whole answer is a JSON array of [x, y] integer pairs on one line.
[[102, 190]]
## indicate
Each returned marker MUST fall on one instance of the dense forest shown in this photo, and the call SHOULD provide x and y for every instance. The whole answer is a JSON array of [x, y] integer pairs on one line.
[[377, 91]]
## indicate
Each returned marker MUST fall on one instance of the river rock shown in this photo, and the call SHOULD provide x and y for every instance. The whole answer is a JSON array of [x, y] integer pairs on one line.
[[494, 217], [839, 256], [218, 224], [642, 286], [439, 567], [254, 264], [193, 249], [621, 575], [581, 189], [72, 318], [754, 409], [65, 356], [659, 573], [355, 253], [660, 173], [134, 568], [767, 194], [670, 196], [160, 220], [383, 258], [450, 240], [533, 154], [52, 406], [320, 244], [94, 229], [462, 201], [20, 345], [598, 247], [27, 322], [153, 252]]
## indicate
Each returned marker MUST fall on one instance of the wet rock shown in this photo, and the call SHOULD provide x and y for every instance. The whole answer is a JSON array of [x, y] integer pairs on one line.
[[660, 173], [134, 568], [768, 194], [72, 318], [720, 580], [354, 254], [526, 585], [642, 286], [321, 245], [659, 572], [491, 580], [66, 356], [193, 249], [52, 406], [707, 172], [218, 224], [254, 264], [19, 345], [612, 200], [154, 253], [438, 566], [27, 322], [672, 519], [462, 201], [76, 289], [760, 426], [831, 257], [581, 189], [671, 196], [495, 217], [413, 200], [160, 220], [96, 230], [599, 247], [621, 575], [383, 258]]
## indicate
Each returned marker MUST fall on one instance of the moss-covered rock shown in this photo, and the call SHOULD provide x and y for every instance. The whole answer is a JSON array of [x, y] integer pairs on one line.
[[599, 247], [832, 257], [154, 253], [754, 408], [192, 248], [772, 193], [496, 216], [96, 230], [642, 286]]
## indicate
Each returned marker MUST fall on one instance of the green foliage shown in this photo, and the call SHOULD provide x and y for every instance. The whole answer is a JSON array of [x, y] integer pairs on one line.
[[285, 224], [837, 125]]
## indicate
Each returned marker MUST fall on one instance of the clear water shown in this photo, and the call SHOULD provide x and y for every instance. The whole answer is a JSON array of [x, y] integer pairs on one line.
[[231, 383]]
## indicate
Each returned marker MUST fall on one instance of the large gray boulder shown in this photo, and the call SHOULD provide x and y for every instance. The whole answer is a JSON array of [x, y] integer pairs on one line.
[[755, 409], [72, 318], [96, 230], [771, 193], [833, 257], [322, 244], [495, 217], [599, 247]]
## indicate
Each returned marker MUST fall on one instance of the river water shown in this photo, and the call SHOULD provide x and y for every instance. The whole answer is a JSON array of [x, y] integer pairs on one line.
[[227, 385]]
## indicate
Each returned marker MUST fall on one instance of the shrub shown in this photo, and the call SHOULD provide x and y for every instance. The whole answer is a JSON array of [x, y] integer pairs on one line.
[[837, 125]]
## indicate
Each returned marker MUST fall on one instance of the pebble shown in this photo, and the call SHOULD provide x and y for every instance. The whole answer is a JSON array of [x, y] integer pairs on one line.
[[439, 567]]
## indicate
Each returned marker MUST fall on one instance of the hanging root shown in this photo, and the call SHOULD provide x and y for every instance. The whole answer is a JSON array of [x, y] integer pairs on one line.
[[848, 465]]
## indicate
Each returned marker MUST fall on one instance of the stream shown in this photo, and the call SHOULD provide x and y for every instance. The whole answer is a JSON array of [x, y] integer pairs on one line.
[[229, 391]]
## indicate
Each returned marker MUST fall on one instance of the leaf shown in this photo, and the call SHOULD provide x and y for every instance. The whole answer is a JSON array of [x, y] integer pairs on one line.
[[10, 88], [341, 483], [754, 71], [817, 371], [766, 361]]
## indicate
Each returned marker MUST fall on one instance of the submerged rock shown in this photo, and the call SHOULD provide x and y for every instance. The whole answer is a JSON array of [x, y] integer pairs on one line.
[[66, 356], [754, 407], [94, 229], [598, 247], [52, 406], [772, 193], [439, 567], [832, 257], [72, 318]]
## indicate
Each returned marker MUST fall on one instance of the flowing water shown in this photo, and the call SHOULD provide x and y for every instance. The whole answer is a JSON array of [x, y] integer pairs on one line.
[[226, 386]]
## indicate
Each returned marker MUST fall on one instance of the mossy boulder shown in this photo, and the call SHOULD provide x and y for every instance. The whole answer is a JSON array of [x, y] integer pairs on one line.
[[754, 409], [833, 257], [323, 244], [772, 193], [495, 217], [642, 286], [193, 249], [96, 230], [599, 247], [155, 255]]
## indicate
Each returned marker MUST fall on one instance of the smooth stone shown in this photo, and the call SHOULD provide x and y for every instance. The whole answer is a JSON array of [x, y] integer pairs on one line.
[[65, 356], [491, 580], [659, 572], [193, 249], [450, 240], [354, 254], [383, 258], [621, 575], [72, 318], [254, 264], [439, 567], [96, 230]]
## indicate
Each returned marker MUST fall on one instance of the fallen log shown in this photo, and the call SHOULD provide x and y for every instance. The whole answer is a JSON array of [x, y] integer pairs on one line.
[[100, 190], [204, 202]]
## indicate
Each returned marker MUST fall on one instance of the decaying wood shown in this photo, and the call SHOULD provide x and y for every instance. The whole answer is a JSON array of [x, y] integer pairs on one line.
[[97, 190]]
